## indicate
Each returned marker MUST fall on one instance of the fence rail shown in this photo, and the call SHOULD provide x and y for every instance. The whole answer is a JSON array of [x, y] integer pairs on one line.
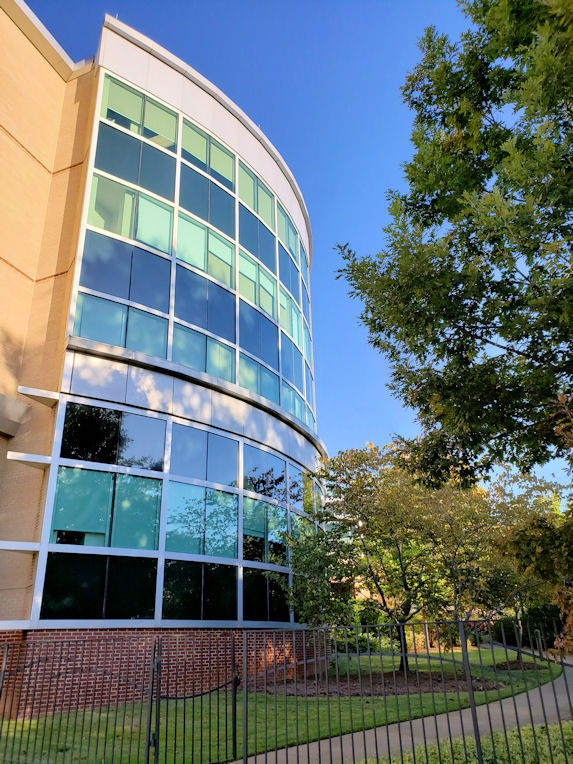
[[438, 692]]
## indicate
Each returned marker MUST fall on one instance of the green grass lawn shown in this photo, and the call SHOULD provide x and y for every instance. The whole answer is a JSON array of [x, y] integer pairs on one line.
[[200, 730]]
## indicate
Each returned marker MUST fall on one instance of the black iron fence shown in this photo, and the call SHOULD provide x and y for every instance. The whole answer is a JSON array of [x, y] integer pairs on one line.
[[423, 692]]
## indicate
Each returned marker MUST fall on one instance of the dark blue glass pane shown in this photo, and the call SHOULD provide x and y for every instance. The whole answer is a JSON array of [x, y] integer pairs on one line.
[[248, 230], [222, 210], [106, 265], [249, 328], [74, 586], [309, 392], [157, 171], [191, 297], [305, 305], [219, 592], [269, 343], [182, 590], [118, 153], [221, 312], [284, 266], [189, 452], [267, 253], [287, 358], [194, 192], [141, 442], [294, 281], [150, 279], [222, 460], [297, 368]]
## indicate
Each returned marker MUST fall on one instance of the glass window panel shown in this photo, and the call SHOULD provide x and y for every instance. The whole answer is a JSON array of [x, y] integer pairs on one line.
[[118, 153], [154, 223], [248, 270], [189, 347], [282, 224], [160, 125], [222, 460], [220, 264], [287, 357], [248, 373], [249, 328], [266, 205], [222, 164], [106, 265], [90, 433], [219, 592], [310, 420], [191, 297], [194, 192], [267, 293], [284, 266], [255, 595], [298, 368], [221, 312], [189, 452], [269, 385], [122, 105], [220, 360], [294, 281], [150, 280], [287, 397], [185, 518], [254, 529], [157, 172], [100, 320], [303, 264], [295, 487], [278, 604], [309, 385], [277, 528], [192, 242], [269, 342], [247, 185], [248, 230], [136, 512], [74, 586], [124, 601], [147, 333], [267, 254], [307, 345], [182, 590], [221, 524], [222, 210], [112, 207], [305, 304], [263, 473], [194, 145], [141, 442], [83, 503]]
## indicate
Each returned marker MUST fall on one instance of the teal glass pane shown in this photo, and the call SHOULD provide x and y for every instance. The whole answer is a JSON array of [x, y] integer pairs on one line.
[[307, 345], [221, 524], [188, 452], [248, 373], [220, 264], [189, 347], [269, 385], [122, 105], [136, 512], [282, 224], [100, 320], [112, 207], [194, 145], [83, 502], [248, 272], [222, 164], [254, 517], [266, 205], [192, 242], [160, 125], [154, 223], [220, 360], [185, 518], [147, 333], [304, 265], [247, 186]]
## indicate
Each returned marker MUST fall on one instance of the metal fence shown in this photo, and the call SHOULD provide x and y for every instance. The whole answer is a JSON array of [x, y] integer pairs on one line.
[[423, 692]]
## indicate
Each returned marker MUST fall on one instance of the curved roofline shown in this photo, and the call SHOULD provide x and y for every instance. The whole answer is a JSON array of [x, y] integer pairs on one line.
[[152, 48]]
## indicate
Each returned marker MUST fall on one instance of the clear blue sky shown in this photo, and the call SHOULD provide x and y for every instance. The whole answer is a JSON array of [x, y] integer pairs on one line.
[[322, 79]]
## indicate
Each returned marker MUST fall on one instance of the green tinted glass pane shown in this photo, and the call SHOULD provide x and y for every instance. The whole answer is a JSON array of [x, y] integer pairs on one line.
[[307, 345], [194, 144], [100, 320], [122, 105], [292, 240], [112, 207], [247, 185], [248, 373], [192, 242], [160, 125], [136, 512], [277, 523], [83, 502], [220, 360], [220, 264], [247, 277], [254, 517], [282, 224], [269, 385], [154, 223], [266, 205], [303, 264], [185, 518], [189, 347], [267, 293], [222, 164], [221, 524], [146, 333]]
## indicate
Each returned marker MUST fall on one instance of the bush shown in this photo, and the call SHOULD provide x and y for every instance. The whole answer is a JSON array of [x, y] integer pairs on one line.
[[543, 617]]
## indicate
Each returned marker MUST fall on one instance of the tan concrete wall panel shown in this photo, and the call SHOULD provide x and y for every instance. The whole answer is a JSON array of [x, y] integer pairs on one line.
[[17, 571]]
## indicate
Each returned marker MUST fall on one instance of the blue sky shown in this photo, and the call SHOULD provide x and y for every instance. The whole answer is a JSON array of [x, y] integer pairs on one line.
[[322, 79]]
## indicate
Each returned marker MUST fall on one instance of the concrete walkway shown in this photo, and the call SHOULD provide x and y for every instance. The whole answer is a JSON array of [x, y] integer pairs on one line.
[[548, 703]]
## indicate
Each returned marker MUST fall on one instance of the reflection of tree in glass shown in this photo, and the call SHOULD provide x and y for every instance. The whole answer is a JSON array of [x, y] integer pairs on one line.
[[221, 524], [90, 433], [186, 518], [141, 442], [267, 482]]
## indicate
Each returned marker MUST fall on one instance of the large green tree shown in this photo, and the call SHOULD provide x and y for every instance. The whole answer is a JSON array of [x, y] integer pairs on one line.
[[471, 298]]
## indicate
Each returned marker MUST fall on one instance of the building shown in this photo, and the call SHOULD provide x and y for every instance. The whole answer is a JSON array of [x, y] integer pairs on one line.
[[157, 411]]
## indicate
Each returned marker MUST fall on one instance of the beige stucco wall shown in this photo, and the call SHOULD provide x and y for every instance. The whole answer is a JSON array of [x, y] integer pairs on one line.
[[45, 127]]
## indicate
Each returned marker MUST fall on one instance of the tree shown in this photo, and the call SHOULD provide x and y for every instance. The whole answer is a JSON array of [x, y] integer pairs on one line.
[[471, 298]]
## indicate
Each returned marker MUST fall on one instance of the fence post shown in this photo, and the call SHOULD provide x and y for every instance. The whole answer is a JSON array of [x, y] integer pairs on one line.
[[234, 684], [467, 669], [245, 703], [152, 740]]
